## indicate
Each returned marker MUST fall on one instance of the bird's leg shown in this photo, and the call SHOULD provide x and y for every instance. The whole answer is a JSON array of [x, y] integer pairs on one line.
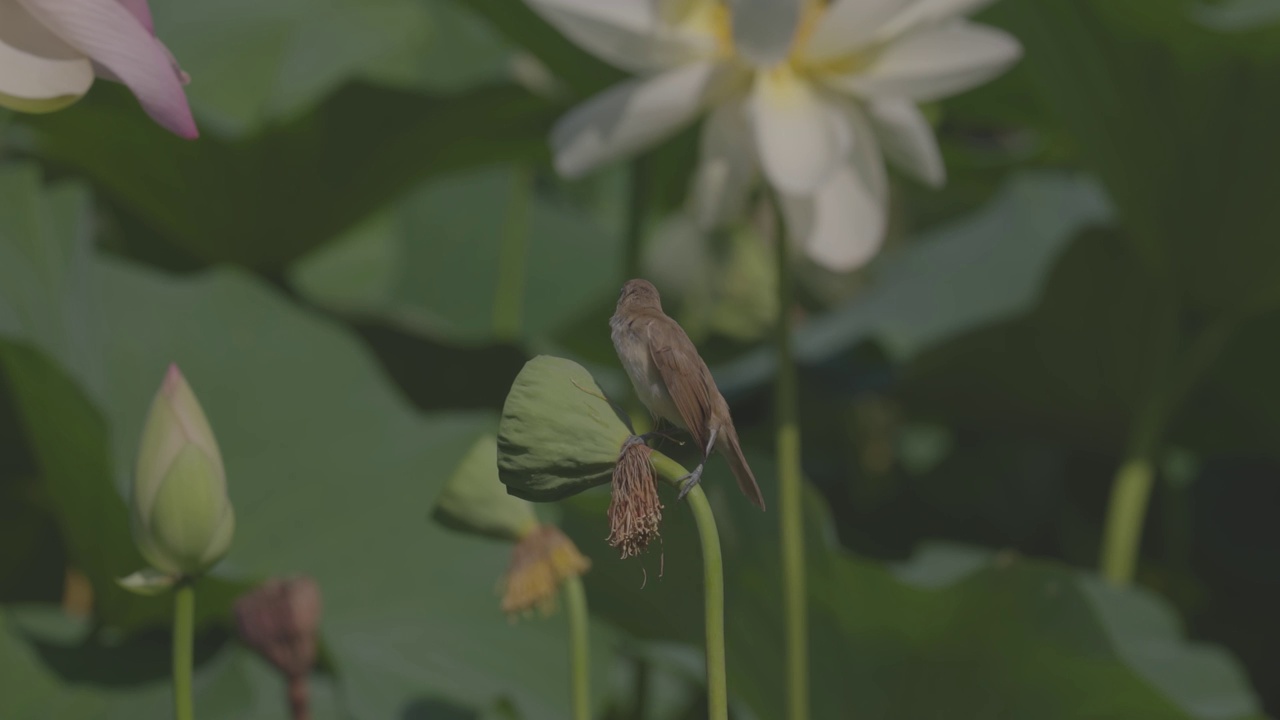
[[688, 481], [662, 429], [664, 434], [657, 432], [641, 439]]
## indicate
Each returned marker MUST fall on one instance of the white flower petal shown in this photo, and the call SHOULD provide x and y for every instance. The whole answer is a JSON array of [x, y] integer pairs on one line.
[[919, 13], [727, 167], [842, 225], [850, 25], [675, 12], [763, 30], [114, 37], [936, 62], [35, 64], [866, 157], [796, 134], [630, 116], [148, 582], [907, 139], [629, 34]]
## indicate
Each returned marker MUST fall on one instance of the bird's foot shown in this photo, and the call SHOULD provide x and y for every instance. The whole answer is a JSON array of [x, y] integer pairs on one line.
[[688, 481], [633, 440]]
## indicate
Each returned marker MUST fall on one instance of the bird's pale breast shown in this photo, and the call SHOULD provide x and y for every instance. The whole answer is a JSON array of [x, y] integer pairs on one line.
[[633, 352]]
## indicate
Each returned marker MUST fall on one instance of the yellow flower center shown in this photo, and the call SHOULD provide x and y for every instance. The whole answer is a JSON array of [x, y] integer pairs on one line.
[[715, 20], [810, 14], [799, 59]]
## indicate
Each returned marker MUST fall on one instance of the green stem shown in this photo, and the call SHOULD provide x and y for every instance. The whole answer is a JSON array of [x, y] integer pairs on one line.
[[633, 255], [713, 586], [637, 210], [1126, 514], [579, 648], [1131, 489], [790, 489], [508, 305], [640, 702], [184, 620]]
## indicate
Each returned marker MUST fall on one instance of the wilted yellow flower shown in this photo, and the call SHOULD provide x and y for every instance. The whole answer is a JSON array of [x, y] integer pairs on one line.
[[543, 559]]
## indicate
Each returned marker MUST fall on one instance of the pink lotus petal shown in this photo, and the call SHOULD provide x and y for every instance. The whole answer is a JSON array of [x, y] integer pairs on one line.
[[114, 37], [139, 9]]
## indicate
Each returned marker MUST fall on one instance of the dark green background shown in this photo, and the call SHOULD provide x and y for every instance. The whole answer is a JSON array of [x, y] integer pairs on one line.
[[324, 265]]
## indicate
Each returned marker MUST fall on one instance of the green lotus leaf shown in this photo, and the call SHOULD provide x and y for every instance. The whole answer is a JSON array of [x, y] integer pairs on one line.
[[473, 500], [559, 434]]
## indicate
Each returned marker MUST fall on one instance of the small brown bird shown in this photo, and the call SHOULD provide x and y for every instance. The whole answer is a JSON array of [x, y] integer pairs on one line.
[[674, 383]]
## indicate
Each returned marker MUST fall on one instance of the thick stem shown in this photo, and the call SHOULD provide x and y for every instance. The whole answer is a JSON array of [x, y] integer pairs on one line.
[[1126, 513], [790, 490], [184, 620], [713, 586], [637, 212], [508, 304], [640, 702], [633, 256], [1131, 489], [579, 648], [299, 698]]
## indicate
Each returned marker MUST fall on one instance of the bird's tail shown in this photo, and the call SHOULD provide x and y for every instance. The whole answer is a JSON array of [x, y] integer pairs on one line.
[[732, 450]]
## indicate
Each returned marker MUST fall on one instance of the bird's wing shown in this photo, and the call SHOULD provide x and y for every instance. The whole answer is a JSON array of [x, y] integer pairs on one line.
[[687, 378]]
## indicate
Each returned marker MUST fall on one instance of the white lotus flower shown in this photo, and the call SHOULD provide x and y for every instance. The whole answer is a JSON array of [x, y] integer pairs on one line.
[[813, 94], [51, 50]]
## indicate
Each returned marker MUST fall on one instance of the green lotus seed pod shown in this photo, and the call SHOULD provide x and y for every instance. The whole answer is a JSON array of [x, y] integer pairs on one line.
[[182, 517], [474, 500], [559, 435]]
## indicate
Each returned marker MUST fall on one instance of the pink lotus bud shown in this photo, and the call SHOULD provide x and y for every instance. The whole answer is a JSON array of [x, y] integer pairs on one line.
[[182, 517]]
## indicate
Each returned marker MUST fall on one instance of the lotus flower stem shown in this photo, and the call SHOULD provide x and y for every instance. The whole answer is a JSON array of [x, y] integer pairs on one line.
[[508, 306], [184, 617], [637, 210], [790, 486], [1172, 381], [713, 586], [633, 256], [1125, 516], [579, 647]]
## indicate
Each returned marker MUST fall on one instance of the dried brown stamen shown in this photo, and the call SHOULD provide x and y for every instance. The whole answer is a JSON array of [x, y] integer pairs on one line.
[[635, 512]]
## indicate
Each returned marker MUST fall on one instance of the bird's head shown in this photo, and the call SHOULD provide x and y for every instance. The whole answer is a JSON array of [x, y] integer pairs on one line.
[[639, 294]]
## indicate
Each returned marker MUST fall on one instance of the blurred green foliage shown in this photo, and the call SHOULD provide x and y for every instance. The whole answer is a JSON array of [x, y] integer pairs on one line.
[[367, 243]]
